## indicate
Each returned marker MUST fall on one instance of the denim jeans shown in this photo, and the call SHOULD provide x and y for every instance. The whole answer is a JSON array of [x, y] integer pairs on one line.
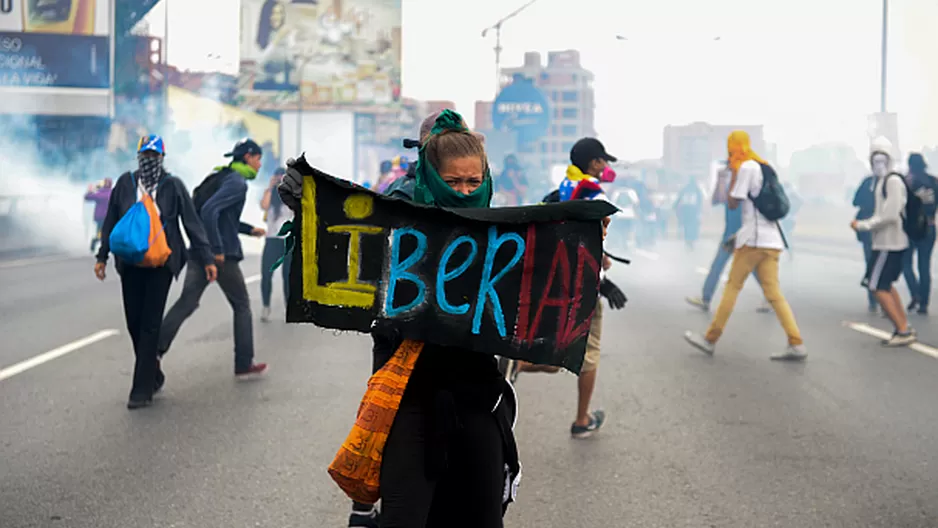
[[920, 287]]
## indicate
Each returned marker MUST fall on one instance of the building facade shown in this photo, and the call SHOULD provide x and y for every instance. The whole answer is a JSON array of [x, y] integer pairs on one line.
[[689, 150], [569, 89]]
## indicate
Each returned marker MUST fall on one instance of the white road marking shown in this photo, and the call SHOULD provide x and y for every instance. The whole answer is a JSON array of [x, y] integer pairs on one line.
[[252, 279], [36, 260], [882, 334], [23, 366], [647, 254]]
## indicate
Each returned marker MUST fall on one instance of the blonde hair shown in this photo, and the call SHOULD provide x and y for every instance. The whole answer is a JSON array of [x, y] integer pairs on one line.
[[454, 144]]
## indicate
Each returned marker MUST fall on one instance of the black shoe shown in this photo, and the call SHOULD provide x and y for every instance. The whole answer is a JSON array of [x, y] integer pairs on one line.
[[139, 402], [923, 310], [912, 305], [364, 520]]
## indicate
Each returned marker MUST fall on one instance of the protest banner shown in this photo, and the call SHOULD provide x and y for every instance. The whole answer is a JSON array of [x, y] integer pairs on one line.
[[518, 282]]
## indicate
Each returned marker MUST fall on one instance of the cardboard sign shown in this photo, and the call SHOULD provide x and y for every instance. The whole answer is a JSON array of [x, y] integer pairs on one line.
[[517, 282]]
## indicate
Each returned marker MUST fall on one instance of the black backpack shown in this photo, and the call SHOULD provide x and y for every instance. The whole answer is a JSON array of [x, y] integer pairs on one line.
[[772, 202], [914, 219], [208, 188]]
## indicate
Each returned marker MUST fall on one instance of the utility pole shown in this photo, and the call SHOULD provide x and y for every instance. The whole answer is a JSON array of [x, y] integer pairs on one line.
[[498, 41], [885, 44]]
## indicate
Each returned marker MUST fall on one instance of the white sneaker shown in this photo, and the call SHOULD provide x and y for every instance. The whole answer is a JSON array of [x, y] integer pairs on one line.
[[901, 340], [265, 314], [791, 353], [699, 342], [765, 307]]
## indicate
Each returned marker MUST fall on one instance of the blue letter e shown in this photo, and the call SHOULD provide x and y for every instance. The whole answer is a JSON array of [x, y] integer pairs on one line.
[[443, 276], [398, 271]]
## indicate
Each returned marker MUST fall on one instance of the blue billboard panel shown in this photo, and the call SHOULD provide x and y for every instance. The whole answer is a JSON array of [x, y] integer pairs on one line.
[[522, 108], [50, 60]]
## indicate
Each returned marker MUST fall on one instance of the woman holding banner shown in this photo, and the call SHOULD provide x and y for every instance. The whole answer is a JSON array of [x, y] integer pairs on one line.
[[451, 437]]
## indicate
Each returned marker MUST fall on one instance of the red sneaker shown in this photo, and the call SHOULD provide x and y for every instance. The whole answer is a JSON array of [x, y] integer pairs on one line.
[[253, 372]]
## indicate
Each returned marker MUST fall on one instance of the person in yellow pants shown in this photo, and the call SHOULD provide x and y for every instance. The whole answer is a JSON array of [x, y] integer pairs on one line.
[[758, 245]]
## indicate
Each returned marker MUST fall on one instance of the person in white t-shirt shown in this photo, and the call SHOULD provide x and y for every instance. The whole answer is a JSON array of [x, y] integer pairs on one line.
[[758, 245], [276, 215]]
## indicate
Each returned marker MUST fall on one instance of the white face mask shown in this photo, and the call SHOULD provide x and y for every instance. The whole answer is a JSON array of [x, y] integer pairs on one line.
[[880, 163]]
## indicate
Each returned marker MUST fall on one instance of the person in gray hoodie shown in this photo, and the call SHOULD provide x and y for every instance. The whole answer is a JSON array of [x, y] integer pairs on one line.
[[890, 243]]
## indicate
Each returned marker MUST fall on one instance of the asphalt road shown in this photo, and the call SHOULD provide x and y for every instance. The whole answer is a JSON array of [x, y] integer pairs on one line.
[[846, 439]]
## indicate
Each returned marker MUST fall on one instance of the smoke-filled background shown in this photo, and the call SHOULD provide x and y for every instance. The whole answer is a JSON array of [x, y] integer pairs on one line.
[[340, 80]]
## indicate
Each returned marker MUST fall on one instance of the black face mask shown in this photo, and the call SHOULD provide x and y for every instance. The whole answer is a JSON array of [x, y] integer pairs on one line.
[[150, 171]]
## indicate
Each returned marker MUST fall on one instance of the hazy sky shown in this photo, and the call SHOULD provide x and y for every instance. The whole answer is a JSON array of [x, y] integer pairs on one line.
[[807, 69]]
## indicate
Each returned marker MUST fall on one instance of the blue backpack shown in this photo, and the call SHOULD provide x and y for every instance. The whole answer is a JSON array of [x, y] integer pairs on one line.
[[138, 237]]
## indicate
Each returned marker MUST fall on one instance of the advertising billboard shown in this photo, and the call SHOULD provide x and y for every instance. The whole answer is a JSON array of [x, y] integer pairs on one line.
[[54, 43], [522, 108], [335, 54]]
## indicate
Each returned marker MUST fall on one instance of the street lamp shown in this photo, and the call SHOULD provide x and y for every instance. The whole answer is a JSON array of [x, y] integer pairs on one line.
[[882, 80], [498, 41]]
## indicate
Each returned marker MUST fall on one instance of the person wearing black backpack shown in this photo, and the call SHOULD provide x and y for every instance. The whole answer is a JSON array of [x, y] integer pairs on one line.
[[890, 243], [219, 200], [924, 187], [755, 187]]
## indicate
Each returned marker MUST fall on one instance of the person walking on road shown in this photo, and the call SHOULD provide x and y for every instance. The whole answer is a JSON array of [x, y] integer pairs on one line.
[[144, 290], [275, 245], [865, 202], [890, 243], [100, 195], [220, 201], [732, 223], [925, 186], [758, 246]]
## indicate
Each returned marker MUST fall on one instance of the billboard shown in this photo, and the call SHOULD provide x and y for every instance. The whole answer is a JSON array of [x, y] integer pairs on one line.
[[335, 54], [54, 43], [522, 108]]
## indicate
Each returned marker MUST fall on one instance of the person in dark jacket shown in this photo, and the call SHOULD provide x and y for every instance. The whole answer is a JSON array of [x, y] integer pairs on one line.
[[925, 186], [865, 202], [221, 214], [145, 290]]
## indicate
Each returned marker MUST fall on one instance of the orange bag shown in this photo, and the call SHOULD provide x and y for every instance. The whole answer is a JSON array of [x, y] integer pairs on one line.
[[357, 465], [158, 252]]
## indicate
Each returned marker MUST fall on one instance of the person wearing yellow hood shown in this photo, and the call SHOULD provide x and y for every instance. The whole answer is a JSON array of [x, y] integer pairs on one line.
[[758, 245]]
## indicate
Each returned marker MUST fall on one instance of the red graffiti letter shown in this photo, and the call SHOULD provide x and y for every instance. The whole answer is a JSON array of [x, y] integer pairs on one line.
[[562, 302], [575, 332], [527, 275]]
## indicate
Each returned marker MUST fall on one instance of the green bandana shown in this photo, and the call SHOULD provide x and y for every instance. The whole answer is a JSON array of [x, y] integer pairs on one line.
[[243, 169], [432, 190]]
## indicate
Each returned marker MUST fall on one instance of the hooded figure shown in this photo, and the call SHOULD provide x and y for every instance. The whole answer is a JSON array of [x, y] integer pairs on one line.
[[925, 187]]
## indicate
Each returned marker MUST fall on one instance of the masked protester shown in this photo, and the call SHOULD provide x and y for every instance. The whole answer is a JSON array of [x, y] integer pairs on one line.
[[145, 289], [219, 200], [925, 186], [758, 245]]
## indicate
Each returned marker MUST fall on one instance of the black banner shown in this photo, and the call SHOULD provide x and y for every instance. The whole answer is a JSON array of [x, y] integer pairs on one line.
[[518, 282]]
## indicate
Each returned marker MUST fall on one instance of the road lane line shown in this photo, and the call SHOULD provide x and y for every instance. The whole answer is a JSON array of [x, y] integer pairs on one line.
[[23, 366], [252, 279], [882, 334], [35, 260], [703, 271], [647, 254]]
